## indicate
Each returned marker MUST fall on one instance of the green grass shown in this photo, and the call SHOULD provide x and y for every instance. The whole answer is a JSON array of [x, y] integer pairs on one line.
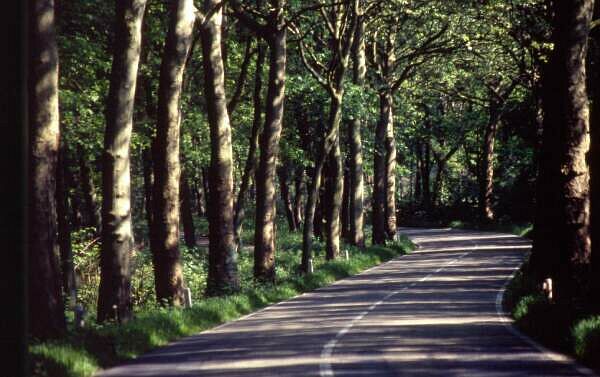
[[84, 351], [521, 230]]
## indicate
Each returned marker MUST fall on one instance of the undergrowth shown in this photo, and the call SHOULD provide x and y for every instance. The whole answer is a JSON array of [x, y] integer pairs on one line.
[[564, 328]]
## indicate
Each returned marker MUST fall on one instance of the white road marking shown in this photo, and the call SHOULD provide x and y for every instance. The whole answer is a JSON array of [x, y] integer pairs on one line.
[[325, 366]]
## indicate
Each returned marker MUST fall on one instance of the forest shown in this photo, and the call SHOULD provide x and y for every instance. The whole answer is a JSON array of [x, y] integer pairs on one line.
[[193, 161]]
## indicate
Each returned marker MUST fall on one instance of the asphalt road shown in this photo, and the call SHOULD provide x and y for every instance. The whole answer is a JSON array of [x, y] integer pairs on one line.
[[434, 312]]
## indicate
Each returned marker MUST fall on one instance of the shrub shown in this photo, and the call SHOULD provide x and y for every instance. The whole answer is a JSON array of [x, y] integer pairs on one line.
[[586, 335]]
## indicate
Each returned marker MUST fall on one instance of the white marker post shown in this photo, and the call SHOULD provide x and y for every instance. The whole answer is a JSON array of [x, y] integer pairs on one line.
[[187, 297], [310, 266]]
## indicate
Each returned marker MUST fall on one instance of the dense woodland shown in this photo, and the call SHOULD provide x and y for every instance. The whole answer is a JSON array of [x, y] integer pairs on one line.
[[172, 142]]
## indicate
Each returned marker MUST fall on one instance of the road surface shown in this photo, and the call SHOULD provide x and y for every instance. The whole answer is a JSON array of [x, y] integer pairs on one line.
[[434, 312]]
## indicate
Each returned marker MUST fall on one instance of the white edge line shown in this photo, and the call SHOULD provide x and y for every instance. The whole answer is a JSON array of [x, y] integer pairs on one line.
[[508, 323], [325, 369]]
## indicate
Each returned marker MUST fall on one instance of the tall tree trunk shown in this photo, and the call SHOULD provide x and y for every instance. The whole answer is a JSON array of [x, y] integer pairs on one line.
[[319, 219], [595, 164], [573, 25], [89, 192], [379, 164], [64, 230], [324, 149], [117, 236], [356, 189], [284, 187], [168, 276], [189, 232], [264, 232], [222, 263], [298, 194], [333, 208], [46, 316], [252, 158], [390, 170]]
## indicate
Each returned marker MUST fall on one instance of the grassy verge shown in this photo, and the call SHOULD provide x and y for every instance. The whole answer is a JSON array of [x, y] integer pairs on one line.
[[521, 230], [566, 328], [82, 352]]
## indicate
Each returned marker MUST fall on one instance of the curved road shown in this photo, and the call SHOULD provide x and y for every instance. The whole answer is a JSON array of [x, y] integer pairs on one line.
[[434, 312]]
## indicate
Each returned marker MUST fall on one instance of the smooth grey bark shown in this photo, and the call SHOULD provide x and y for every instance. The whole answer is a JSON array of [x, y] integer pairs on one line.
[[116, 235], [46, 316]]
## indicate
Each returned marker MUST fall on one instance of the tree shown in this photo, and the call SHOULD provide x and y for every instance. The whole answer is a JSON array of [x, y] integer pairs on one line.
[[222, 263], [394, 58], [562, 226], [340, 21], [46, 316], [168, 276], [114, 299], [274, 33]]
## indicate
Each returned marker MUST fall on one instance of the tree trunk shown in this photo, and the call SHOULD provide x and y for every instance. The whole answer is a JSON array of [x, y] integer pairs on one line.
[[89, 192], [595, 166], [64, 230], [573, 24], [299, 179], [251, 160], [117, 236], [285, 197], [345, 211], [222, 271], [168, 277], [390, 170], [357, 237], [46, 316], [487, 171], [200, 200], [325, 147], [334, 194], [318, 220], [189, 232], [264, 232], [379, 164], [148, 186]]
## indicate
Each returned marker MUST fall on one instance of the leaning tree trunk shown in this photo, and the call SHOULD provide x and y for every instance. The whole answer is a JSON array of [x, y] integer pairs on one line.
[[117, 236], [573, 25], [46, 316], [251, 159], [222, 261], [168, 276], [390, 170], [264, 232]]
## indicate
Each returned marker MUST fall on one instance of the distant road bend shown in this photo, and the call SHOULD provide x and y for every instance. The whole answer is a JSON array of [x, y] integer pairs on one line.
[[435, 312]]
